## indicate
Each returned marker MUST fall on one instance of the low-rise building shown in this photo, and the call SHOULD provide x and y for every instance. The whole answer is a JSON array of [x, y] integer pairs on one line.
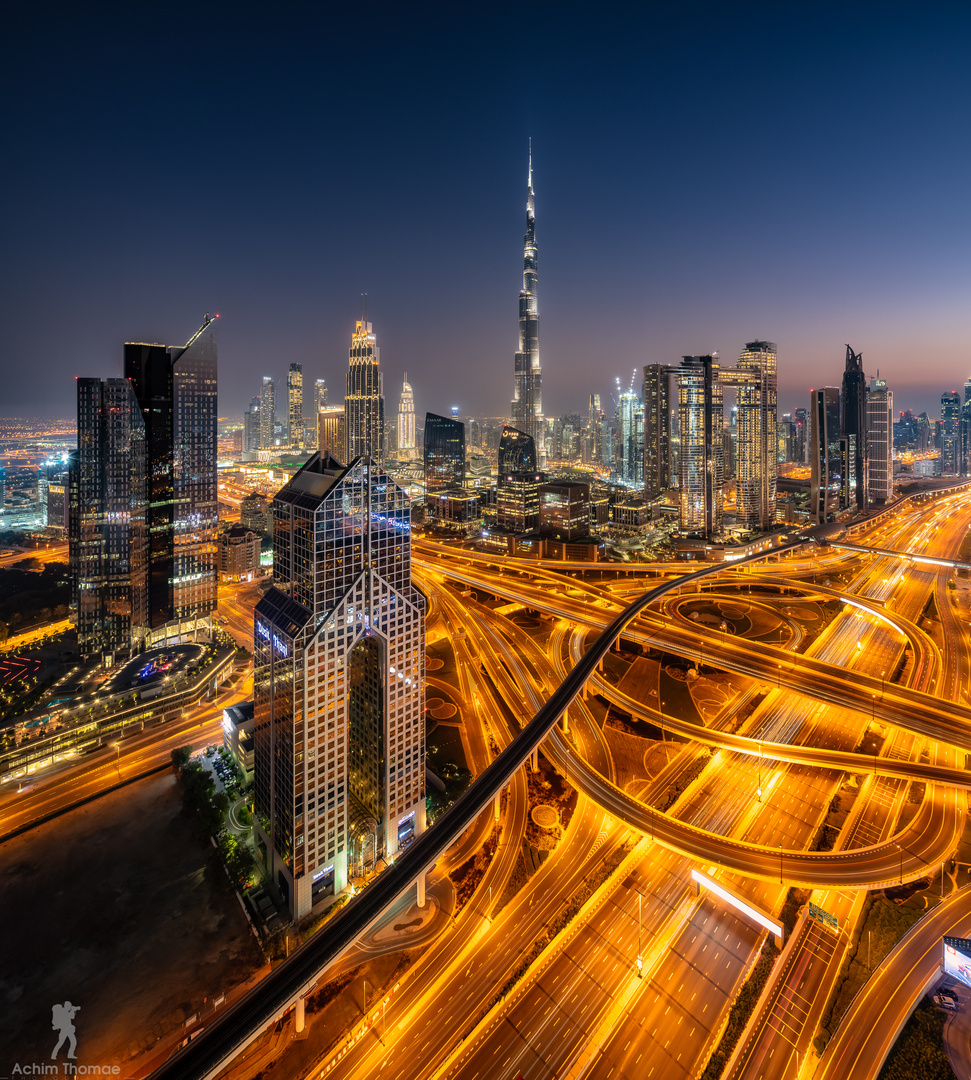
[[239, 554], [238, 725]]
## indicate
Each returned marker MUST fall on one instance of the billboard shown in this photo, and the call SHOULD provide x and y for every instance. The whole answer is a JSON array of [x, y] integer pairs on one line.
[[957, 958]]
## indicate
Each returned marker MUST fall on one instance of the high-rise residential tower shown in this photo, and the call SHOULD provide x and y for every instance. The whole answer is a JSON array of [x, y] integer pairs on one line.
[[267, 414], [320, 395], [406, 421], [853, 432], [252, 437], [757, 466], [657, 429], [825, 458], [879, 442], [950, 433], [527, 401], [701, 461], [630, 438], [295, 406], [363, 403], [339, 682]]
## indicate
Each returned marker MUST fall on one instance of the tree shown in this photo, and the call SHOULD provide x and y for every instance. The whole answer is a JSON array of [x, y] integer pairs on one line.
[[180, 757]]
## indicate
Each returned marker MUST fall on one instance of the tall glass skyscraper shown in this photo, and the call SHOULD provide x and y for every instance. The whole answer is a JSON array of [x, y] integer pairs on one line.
[[950, 433], [825, 456], [517, 451], [444, 453], [363, 403], [701, 459], [853, 432], [267, 413], [339, 682], [150, 522], [106, 525], [527, 401], [757, 466], [176, 391], [657, 429], [295, 406], [879, 442]]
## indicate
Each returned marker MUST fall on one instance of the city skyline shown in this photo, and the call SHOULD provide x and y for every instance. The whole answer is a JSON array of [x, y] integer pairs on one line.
[[834, 237]]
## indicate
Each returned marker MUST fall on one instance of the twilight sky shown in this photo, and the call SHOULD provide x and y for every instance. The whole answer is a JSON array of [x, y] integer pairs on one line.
[[706, 173]]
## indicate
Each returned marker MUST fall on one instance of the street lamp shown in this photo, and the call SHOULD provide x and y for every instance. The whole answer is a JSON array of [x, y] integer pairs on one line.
[[901, 850], [640, 930], [759, 789]]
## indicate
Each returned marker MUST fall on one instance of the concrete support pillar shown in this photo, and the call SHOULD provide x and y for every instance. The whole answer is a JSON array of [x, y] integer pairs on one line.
[[298, 1015], [421, 890], [566, 723], [497, 804], [534, 759]]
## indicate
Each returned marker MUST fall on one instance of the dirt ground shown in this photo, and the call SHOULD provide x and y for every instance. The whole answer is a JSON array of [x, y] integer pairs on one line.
[[111, 908]]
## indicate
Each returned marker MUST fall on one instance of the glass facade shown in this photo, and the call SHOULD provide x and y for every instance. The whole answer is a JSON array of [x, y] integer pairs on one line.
[[657, 430], [295, 406], [339, 678], [106, 535], [757, 467], [701, 457], [444, 453], [879, 442], [517, 451], [825, 455]]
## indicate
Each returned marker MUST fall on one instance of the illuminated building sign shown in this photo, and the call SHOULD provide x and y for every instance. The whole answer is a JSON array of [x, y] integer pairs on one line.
[[279, 645]]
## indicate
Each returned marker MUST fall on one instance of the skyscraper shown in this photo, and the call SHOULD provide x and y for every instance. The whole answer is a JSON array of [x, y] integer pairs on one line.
[[406, 421], [825, 457], [630, 438], [444, 452], [106, 526], [339, 682], [757, 466], [176, 391], [701, 457], [951, 433], [363, 403], [295, 406], [143, 498], [517, 451], [657, 429], [853, 432], [879, 442], [527, 401], [320, 395], [267, 413], [330, 430], [252, 436]]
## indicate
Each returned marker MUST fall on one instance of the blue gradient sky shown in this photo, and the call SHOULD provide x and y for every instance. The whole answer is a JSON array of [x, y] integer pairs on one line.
[[705, 174]]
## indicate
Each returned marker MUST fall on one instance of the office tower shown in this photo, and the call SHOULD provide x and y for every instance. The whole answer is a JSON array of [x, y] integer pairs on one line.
[[406, 421], [517, 501], [295, 406], [331, 438], [267, 414], [630, 463], [339, 682], [591, 437], [444, 453], [176, 391], [701, 451], [950, 433], [757, 465], [564, 510], [853, 432], [879, 442], [527, 401], [53, 491], [320, 395], [363, 403], [252, 435], [825, 460], [657, 429], [106, 529], [801, 420], [517, 451]]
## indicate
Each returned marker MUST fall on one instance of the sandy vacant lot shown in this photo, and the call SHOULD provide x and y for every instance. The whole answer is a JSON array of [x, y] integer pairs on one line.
[[111, 907]]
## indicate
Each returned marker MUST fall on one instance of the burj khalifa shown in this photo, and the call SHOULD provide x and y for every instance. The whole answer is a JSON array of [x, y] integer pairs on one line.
[[527, 402]]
